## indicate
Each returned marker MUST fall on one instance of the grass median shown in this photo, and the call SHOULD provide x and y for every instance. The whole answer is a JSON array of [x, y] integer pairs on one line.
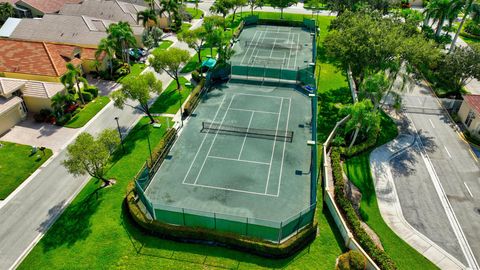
[[88, 112], [170, 99]]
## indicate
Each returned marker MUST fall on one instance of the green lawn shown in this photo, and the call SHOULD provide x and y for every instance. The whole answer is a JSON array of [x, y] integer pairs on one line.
[[197, 14], [17, 164], [135, 70], [163, 46], [193, 63], [358, 171], [169, 100], [95, 233], [88, 112]]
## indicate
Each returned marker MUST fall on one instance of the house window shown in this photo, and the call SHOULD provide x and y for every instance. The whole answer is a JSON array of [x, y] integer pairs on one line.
[[470, 118]]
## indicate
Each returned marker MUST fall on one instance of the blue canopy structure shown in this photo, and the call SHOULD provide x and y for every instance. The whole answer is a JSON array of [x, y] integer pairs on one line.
[[210, 63]]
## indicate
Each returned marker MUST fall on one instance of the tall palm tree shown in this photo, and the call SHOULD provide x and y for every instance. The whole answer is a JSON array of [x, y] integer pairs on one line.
[[73, 77], [441, 10], [468, 8], [151, 4], [108, 47], [170, 7], [148, 17], [122, 35], [221, 7], [6, 10]]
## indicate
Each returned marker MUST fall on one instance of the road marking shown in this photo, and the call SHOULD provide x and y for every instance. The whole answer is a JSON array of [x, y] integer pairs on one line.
[[431, 123], [448, 153], [468, 189]]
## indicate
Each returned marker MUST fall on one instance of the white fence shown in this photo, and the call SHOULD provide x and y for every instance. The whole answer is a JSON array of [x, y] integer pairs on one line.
[[328, 197]]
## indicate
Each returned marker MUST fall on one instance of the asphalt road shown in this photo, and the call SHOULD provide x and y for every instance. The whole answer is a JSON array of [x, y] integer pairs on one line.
[[31, 212], [438, 180]]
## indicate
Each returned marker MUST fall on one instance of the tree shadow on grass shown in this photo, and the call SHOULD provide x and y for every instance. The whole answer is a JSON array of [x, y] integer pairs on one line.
[[72, 226], [198, 253]]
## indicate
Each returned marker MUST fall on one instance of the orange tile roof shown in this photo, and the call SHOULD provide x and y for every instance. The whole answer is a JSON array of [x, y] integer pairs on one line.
[[48, 6], [40, 58]]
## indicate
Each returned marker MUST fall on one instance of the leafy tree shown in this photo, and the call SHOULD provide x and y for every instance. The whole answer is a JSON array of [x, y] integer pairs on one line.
[[282, 4], [139, 89], [148, 17], [170, 61], [6, 11], [151, 38], [73, 77], [106, 46], [222, 7], [225, 52], [314, 5], [460, 66], [89, 155], [171, 7], [195, 39], [236, 4], [362, 119], [254, 4], [121, 34]]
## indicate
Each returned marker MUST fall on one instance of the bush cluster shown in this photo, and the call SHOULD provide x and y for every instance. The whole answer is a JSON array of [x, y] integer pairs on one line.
[[352, 260], [359, 148], [158, 152], [87, 97], [379, 256], [196, 76], [194, 98], [473, 28], [93, 90]]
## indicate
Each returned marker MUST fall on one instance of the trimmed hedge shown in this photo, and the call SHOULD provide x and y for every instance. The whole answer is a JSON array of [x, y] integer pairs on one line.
[[239, 30], [194, 99], [159, 148], [379, 256], [359, 148], [207, 236]]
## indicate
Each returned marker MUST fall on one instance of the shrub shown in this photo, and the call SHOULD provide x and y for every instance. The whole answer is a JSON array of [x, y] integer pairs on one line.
[[62, 120], [352, 260], [43, 116], [196, 76], [379, 256], [92, 90], [473, 28], [194, 99], [87, 97]]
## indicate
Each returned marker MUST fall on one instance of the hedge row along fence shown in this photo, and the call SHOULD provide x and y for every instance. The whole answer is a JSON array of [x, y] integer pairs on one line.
[[231, 240], [379, 256], [194, 99]]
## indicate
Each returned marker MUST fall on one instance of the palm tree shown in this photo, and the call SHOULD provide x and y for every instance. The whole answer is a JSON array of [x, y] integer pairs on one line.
[[73, 77], [221, 7], [151, 4], [466, 13], [108, 47], [362, 118], [59, 100], [6, 11], [122, 35], [170, 7], [147, 16], [440, 10]]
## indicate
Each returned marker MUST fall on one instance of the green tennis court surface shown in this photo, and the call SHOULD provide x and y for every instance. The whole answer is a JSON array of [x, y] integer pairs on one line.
[[257, 175], [279, 47]]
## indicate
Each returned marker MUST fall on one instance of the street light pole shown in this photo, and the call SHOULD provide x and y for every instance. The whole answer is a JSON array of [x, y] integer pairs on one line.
[[120, 134], [181, 109]]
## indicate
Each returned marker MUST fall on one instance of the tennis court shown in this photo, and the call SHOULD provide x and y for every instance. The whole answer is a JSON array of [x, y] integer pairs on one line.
[[217, 168], [274, 46]]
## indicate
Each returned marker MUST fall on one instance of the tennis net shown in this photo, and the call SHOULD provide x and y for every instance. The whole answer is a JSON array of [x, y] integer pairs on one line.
[[279, 135], [272, 46]]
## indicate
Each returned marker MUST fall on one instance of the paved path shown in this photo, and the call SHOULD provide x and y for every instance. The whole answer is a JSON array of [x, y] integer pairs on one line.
[[391, 208], [29, 213]]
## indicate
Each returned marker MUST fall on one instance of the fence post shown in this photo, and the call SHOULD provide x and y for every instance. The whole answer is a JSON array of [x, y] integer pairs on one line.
[[280, 232], [183, 216], [246, 227]]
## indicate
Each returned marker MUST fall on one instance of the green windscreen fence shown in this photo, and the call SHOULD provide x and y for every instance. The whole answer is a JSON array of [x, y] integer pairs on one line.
[[304, 75], [310, 24], [146, 202], [251, 20], [253, 227]]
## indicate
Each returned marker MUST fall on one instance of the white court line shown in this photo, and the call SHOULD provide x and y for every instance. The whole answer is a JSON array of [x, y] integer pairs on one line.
[[447, 151], [248, 48], [244, 139], [254, 111], [468, 189], [231, 189], [214, 138], [289, 51], [431, 123], [256, 95], [204, 137], [284, 146], [273, 147], [258, 50], [240, 160], [298, 43]]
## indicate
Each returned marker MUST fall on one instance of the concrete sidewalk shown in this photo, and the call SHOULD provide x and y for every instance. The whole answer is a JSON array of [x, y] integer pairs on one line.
[[390, 208]]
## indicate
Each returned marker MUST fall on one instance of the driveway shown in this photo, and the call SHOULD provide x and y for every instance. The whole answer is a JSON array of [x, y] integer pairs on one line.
[[30, 132]]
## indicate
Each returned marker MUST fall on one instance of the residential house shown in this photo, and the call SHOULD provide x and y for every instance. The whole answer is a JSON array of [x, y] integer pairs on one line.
[[76, 30], [38, 8], [17, 97], [43, 61], [469, 114]]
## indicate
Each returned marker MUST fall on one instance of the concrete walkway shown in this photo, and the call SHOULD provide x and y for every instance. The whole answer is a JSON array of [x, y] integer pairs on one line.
[[391, 210]]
